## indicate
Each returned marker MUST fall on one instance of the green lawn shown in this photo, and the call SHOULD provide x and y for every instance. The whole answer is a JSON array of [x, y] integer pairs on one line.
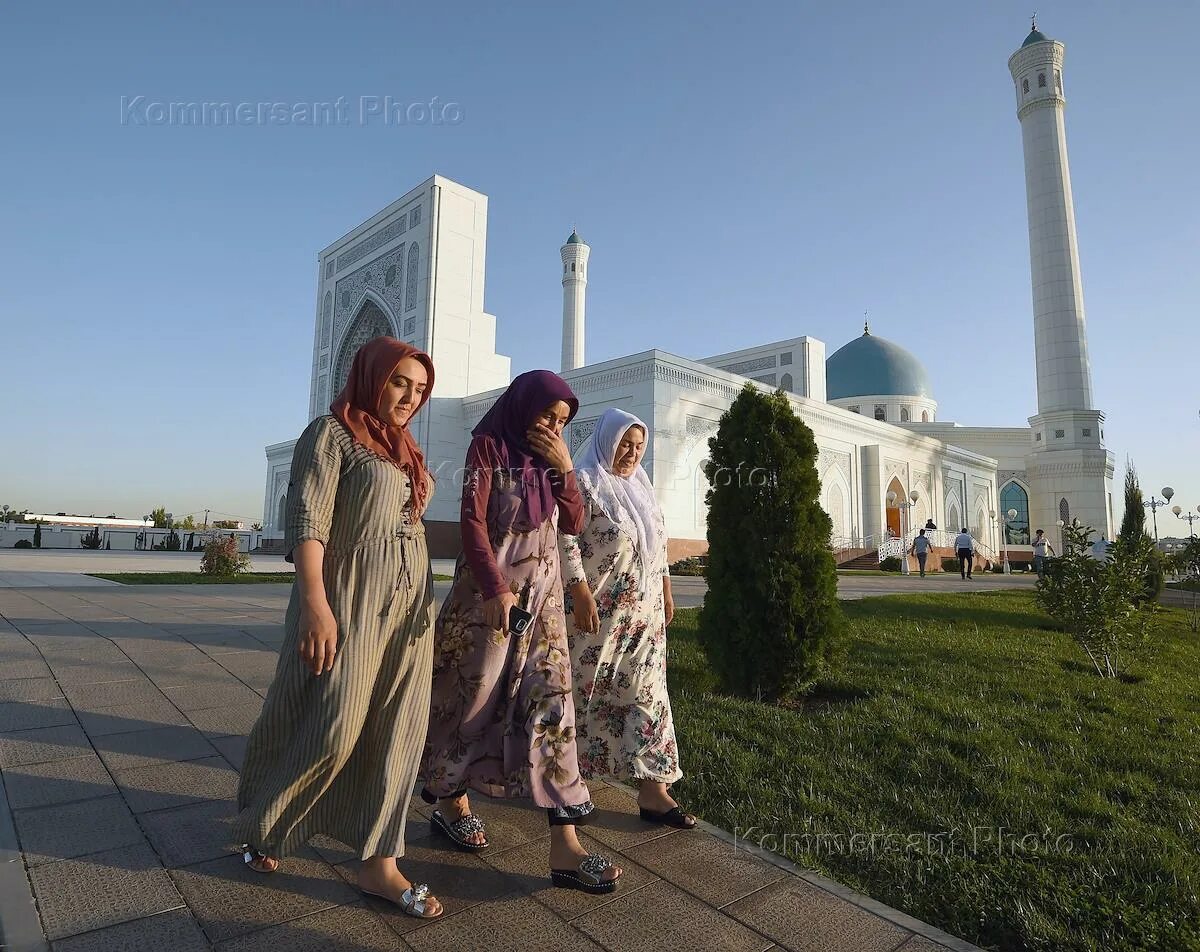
[[1000, 790], [198, 578]]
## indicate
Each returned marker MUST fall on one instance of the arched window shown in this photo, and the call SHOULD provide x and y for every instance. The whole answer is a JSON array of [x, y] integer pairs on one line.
[[1064, 511], [1025, 86], [924, 416], [1016, 528], [572, 265], [904, 415], [281, 514], [1041, 80], [880, 412], [786, 382], [410, 289], [1058, 81]]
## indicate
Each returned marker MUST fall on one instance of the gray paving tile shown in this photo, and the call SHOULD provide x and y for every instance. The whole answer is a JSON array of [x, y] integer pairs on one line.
[[232, 749], [514, 923], [24, 667], [222, 721], [660, 916], [529, 866], [126, 718], [708, 868], [125, 752], [103, 889], [197, 697], [60, 832], [61, 781], [616, 822], [229, 899], [921, 944], [27, 715], [177, 784], [43, 745], [174, 931], [807, 919], [27, 689], [191, 834], [72, 672], [99, 697], [341, 929], [510, 823], [171, 674]]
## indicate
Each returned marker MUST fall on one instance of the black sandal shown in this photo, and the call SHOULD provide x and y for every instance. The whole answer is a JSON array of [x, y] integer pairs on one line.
[[586, 877], [458, 830], [673, 817]]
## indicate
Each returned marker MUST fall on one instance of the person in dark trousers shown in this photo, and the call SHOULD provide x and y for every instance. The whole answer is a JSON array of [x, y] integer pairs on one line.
[[920, 548], [964, 545]]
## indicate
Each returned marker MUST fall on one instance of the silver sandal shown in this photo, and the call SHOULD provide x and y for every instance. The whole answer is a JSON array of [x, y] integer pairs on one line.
[[587, 876], [413, 901], [250, 856], [458, 830]]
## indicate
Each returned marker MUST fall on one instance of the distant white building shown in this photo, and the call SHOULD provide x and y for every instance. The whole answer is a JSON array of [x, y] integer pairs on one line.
[[415, 271]]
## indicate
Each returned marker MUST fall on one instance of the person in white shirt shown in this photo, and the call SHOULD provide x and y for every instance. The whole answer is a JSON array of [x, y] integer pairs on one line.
[[1040, 545], [920, 547], [964, 545]]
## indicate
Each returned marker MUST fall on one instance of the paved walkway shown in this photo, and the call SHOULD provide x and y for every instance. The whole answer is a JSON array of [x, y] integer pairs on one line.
[[123, 715]]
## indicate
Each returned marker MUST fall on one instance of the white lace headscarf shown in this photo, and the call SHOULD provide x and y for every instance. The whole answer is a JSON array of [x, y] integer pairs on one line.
[[627, 500]]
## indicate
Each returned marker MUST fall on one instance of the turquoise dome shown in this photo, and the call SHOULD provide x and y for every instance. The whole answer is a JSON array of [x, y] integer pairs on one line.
[[1035, 36], [574, 239], [872, 366]]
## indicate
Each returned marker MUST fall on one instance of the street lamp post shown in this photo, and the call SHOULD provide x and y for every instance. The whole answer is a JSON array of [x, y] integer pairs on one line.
[[1190, 517], [1062, 537], [904, 505], [1155, 504], [1012, 514]]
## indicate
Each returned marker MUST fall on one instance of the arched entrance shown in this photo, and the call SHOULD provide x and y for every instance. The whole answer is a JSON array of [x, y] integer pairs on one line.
[[893, 509], [281, 514], [370, 322]]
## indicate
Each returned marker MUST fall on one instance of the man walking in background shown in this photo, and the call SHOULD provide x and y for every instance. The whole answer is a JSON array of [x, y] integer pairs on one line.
[[920, 548], [1040, 545], [964, 545]]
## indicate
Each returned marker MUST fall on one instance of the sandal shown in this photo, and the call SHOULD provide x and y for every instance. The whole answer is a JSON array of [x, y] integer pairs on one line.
[[458, 830], [673, 817], [586, 877], [251, 856], [413, 901]]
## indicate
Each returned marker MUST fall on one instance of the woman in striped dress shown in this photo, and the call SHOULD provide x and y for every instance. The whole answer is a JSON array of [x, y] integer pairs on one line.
[[503, 720], [337, 746]]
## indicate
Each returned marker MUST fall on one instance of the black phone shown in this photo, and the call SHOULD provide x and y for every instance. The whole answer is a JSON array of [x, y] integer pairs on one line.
[[518, 620]]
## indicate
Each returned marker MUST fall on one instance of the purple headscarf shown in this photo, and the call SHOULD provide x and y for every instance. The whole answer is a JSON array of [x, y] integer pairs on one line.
[[507, 423]]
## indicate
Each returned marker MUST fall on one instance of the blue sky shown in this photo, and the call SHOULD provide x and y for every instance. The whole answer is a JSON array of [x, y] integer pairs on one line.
[[743, 173]]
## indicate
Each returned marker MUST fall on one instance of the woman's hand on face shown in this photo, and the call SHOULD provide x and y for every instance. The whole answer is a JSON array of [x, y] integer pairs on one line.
[[495, 611], [318, 636], [587, 618], [551, 447]]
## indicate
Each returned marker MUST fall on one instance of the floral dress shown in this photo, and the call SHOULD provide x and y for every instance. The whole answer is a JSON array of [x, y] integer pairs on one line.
[[623, 714], [502, 719]]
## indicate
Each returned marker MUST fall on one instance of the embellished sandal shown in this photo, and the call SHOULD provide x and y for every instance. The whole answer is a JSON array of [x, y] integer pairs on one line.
[[413, 901], [258, 860], [587, 876], [458, 830], [673, 817]]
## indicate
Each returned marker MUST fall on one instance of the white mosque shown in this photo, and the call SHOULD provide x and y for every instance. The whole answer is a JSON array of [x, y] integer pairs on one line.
[[415, 271]]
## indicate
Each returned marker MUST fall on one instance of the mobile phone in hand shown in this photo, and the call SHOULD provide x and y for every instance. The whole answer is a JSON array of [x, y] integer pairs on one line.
[[518, 620]]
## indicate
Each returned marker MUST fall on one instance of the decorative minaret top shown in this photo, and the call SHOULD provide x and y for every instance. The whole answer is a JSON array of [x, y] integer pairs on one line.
[[574, 281], [1064, 376]]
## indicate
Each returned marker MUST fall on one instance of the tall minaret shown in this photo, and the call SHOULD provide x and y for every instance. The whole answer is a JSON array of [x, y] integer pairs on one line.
[[1068, 463], [574, 281]]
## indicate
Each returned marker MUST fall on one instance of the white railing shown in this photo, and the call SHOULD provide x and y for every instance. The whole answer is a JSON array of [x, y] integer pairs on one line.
[[939, 538]]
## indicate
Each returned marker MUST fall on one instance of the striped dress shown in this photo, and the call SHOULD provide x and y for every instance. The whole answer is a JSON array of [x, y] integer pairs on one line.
[[338, 753]]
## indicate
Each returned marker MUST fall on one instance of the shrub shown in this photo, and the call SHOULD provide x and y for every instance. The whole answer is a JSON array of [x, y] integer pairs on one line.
[[22, 544], [692, 566], [221, 557], [771, 616], [890, 564], [170, 543], [949, 564], [37, 535], [91, 540], [1102, 605]]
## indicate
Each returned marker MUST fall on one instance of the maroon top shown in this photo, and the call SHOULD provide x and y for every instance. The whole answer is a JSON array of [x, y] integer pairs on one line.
[[485, 514]]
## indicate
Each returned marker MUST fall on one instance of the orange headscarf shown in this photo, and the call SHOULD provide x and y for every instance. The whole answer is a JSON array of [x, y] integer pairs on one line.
[[356, 406]]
